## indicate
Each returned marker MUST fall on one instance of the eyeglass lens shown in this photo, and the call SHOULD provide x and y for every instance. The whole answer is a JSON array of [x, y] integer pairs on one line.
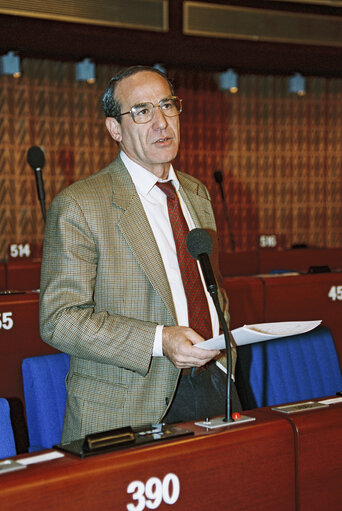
[[144, 112]]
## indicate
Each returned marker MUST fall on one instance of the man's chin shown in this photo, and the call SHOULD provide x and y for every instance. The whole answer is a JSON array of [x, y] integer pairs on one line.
[[165, 154]]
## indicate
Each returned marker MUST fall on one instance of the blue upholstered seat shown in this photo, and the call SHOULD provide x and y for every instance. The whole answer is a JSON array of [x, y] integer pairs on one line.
[[289, 369], [7, 444], [45, 397]]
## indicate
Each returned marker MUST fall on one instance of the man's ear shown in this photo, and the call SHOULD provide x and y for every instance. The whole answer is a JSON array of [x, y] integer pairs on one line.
[[114, 128]]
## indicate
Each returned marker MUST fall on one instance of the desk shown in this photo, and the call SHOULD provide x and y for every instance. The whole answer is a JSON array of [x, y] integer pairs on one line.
[[23, 275], [318, 436], [306, 297], [239, 263], [19, 338], [243, 467], [246, 300], [2, 276], [265, 260], [299, 259]]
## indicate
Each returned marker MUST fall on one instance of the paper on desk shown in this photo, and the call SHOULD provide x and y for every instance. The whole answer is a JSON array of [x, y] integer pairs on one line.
[[40, 457], [249, 334]]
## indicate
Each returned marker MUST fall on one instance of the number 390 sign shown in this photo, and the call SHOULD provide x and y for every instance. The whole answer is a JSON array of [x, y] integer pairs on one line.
[[152, 493]]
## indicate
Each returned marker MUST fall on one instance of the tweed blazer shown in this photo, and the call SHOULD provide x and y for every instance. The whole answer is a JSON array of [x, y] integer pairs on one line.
[[103, 291]]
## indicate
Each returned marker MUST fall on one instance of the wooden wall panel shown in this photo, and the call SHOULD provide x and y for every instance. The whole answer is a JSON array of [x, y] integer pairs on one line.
[[280, 155]]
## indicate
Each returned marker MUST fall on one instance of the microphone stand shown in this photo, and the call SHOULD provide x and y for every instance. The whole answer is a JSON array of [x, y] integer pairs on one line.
[[212, 290], [219, 178], [40, 190], [225, 330]]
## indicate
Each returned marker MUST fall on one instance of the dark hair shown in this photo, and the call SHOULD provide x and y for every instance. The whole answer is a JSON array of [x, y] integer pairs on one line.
[[110, 106]]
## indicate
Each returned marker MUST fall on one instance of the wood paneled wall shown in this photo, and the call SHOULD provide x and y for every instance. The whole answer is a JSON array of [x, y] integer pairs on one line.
[[280, 155]]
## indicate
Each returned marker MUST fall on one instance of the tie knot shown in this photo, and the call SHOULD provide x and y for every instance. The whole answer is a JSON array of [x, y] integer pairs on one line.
[[168, 189]]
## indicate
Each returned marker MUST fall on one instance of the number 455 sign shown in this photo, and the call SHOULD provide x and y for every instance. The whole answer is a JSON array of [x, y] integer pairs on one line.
[[335, 293], [152, 493]]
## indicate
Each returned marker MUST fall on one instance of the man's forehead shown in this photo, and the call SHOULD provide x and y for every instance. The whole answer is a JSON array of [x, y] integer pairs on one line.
[[142, 86]]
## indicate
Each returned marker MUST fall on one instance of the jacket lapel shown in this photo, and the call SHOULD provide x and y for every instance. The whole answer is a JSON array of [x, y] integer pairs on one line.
[[198, 205], [136, 229]]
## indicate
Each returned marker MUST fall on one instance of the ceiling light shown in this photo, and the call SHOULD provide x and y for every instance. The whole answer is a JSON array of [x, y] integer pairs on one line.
[[228, 80], [10, 64], [297, 84], [85, 71]]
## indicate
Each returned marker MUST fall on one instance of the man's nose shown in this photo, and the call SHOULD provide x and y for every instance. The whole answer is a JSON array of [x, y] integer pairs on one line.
[[159, 119]]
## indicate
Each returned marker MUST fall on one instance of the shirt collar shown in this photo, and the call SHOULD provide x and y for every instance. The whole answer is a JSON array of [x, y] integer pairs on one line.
[[142, 178]]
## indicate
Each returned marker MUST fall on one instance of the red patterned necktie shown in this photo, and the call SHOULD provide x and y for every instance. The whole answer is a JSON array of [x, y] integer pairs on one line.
[[198, 310]]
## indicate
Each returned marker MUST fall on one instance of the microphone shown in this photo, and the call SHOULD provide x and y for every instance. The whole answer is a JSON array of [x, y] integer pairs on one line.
[[218, 176], [200, 246], [219, 179], [36, 159]]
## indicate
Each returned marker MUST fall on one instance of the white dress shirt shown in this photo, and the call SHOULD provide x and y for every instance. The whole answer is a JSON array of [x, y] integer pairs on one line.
[[154, 202]]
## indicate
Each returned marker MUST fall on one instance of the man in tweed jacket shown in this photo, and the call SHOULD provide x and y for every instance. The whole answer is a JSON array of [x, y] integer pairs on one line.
[[105, 293]]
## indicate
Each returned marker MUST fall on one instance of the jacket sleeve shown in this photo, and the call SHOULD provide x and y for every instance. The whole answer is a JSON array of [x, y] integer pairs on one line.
[[69, 318]]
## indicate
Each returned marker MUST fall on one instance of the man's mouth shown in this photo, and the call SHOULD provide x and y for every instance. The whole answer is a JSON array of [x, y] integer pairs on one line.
[[161, 140]]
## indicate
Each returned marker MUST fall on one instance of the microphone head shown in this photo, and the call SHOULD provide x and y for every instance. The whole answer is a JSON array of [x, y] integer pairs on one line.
[[198, 242], [36, 157], [218, 176]]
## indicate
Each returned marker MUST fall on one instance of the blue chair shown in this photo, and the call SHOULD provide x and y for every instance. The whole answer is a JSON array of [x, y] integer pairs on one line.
[[289, 369], [7, 444], [45, 397]]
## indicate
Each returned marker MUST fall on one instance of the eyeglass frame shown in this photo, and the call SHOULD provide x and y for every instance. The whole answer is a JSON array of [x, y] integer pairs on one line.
[[157, 105]]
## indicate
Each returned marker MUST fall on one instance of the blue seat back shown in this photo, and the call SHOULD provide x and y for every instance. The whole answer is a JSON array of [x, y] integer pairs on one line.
[[289, 369], [7, 444], [45, 397]]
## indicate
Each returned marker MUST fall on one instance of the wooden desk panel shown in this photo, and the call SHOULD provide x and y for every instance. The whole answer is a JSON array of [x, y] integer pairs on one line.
[[23, 275], [2, 277], [319, 447], [19, 338], [237, 468], [246, 300], [299, 259], [318, 435], [306, 297], [239, 263], [266, 260]]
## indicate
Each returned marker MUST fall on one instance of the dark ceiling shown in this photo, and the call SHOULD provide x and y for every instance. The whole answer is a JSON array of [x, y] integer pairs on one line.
[[41, 38]]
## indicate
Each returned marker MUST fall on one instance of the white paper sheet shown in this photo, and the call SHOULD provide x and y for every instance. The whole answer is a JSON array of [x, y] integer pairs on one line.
[[40, 458], [249, 334], [331, 401]]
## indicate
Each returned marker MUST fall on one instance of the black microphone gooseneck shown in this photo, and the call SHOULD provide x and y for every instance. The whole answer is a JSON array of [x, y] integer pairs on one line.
[[219, 179], [200, 245], [36, 159]]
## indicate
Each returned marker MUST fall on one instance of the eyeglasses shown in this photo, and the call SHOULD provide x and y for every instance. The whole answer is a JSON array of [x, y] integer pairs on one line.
[[144, 112]]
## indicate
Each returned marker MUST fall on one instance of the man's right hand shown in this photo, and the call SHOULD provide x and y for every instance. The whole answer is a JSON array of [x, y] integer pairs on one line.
[[178, 347]]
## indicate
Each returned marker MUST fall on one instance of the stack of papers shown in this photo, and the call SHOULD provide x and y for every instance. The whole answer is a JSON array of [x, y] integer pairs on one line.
[[249, 334]]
